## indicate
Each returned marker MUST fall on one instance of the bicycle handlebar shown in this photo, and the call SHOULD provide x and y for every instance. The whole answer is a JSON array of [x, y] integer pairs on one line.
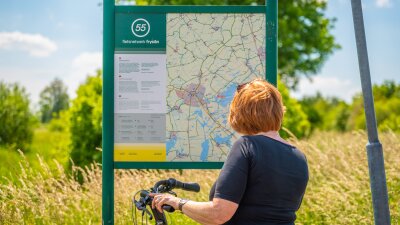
[[162, 186], [172, 183]]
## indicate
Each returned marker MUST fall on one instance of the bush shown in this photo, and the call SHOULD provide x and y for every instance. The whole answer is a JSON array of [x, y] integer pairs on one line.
[[387, 108], [295, 121], [62, 123], [16, 119], [326, 113], [85, 122]]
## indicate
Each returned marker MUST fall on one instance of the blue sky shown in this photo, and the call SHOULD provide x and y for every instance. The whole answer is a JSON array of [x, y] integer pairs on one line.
[[41, 40], [340, 74]]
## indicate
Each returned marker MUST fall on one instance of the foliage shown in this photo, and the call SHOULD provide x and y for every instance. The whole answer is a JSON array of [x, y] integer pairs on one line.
[[16, 119], [51, 145], [326, 113], [387, 108], [53, 99], [295, 121], [62, 123], [85, 122], [338, 191], [304, 39]]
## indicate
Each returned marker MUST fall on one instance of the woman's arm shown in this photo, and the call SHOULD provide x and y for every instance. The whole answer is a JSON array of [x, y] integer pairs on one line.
[[214, 212]]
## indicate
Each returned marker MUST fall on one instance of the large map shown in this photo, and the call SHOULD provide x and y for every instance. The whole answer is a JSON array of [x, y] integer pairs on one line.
[[208, 55]]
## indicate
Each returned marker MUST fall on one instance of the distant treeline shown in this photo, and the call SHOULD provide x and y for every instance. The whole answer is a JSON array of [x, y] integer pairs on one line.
[[335, 114], [83, 119]]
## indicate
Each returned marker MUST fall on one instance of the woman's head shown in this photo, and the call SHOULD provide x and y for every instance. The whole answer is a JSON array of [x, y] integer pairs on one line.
[[256, 107]]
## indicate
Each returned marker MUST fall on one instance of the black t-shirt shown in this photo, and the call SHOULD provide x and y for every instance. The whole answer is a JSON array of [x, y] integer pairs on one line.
[[266, 177]]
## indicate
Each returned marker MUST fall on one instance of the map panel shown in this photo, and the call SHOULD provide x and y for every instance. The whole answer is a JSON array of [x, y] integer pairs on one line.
[[208, 55]]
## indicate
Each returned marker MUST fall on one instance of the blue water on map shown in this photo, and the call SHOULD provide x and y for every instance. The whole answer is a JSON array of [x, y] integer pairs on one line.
[[203, 124], [198, 112], [204, 152], [223, 140], [170, 144], [228, 96]]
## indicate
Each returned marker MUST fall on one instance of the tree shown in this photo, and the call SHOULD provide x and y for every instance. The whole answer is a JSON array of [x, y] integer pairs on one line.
[[53, 99], [387, 108], [85, 122], [326, 113], [16, 119], [304, 40], [295, 121]]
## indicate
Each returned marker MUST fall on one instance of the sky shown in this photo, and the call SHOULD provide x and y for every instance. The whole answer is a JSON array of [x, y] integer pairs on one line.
[[42, 40]]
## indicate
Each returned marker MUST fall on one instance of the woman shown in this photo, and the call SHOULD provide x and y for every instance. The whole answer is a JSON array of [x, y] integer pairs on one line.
[[264, 177]]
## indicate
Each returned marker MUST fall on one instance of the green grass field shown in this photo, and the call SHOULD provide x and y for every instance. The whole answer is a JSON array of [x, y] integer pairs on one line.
[[49, 145], [43, 193]]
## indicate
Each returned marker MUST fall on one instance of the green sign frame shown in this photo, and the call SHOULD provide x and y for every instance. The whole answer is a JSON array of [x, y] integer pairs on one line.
[[270, 9]]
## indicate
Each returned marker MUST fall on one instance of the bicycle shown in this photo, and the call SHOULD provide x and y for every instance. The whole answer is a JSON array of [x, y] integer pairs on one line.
[[162, 186]]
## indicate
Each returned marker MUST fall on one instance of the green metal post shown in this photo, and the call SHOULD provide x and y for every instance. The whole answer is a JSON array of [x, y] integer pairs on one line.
[[271, 44], [108, 112]]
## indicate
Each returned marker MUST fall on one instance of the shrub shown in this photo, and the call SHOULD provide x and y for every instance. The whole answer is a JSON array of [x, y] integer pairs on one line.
[[85, 122], [16, 119], [387, 108], [326, 113], [295, 121]]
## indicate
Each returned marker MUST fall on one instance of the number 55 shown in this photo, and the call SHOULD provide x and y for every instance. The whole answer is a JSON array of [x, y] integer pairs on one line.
[[140, 27]]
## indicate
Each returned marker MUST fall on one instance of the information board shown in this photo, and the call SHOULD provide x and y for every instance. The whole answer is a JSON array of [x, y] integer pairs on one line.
[[175, 75], [169, 74]]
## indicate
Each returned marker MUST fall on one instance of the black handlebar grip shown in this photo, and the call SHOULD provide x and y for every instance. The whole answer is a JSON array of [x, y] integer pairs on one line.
[[185, 186], [168, 208], [191, 187]]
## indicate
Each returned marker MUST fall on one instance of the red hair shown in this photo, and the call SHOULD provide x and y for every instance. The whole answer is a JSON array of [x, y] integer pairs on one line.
[[256, 107]]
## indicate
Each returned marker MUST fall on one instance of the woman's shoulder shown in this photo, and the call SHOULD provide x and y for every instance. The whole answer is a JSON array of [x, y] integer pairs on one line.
[[265, 142], [244, 145]]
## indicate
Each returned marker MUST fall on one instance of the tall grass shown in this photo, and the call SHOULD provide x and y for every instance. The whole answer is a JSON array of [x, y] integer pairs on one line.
[[48, 144], [338, 191]]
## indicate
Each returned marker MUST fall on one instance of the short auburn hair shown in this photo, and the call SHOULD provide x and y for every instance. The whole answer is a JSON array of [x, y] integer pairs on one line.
[[256, 107]]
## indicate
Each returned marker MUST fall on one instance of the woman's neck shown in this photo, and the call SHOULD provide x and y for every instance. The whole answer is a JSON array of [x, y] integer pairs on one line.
[[274, 135]]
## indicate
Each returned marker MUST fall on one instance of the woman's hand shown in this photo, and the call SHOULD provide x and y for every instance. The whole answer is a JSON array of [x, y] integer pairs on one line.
[[164, 199]]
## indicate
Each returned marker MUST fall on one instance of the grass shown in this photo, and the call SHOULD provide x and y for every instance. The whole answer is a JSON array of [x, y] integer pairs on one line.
[[48, 144], [338, 191]]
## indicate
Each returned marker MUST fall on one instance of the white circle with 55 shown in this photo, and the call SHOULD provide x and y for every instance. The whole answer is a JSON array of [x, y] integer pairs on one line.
[[140, 27]]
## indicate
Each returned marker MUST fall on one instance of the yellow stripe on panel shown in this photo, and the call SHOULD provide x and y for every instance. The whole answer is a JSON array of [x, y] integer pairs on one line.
[[140, 152]]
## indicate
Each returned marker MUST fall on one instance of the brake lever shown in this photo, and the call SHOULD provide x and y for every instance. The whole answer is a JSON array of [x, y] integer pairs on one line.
[[148, 213]]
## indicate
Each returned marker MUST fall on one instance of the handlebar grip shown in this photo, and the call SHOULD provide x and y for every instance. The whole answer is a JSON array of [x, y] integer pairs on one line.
[[195, 187], [168, 208]]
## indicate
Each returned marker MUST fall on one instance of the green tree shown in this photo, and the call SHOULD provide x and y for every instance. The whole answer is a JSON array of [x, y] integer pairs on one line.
[[387, 108], [85, 121], [304, 40], [16, 119], [53, 99], [295, 121], [326, 113]]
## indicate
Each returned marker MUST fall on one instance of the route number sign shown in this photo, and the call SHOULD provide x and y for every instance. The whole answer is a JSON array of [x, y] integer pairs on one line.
[[140, 27]]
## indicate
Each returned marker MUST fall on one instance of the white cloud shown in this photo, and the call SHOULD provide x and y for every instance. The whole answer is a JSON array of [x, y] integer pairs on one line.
[[35, 44], [327, 86], [383, 3], [82, 65], [88, 61], [72, 74]]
